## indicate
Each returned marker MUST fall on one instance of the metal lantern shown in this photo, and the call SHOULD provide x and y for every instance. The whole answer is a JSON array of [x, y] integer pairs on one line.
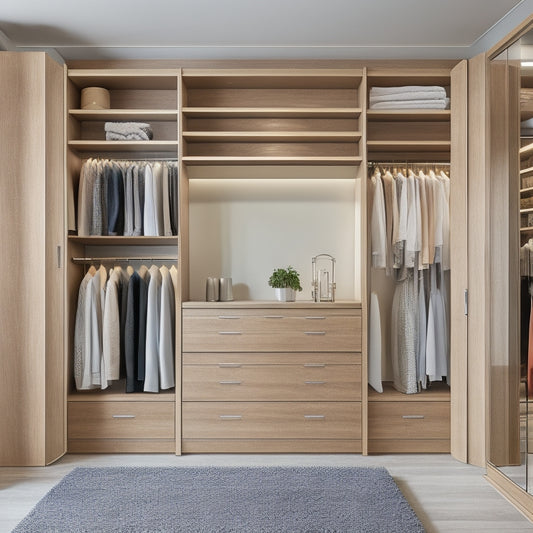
[[323, 278]]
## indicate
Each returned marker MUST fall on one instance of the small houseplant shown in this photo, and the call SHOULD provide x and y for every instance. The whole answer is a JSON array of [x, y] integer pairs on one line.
[[286, 281]]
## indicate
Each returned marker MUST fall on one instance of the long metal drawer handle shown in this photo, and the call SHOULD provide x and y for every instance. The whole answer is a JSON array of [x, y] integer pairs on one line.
[[315, 318], [230, 417], [314, 365], [229, 365], [315, 332], [314, 417], [412, 416], [315, 382], [230, 382], [123, 416], [229, 317], [273, 316], [230, 333]]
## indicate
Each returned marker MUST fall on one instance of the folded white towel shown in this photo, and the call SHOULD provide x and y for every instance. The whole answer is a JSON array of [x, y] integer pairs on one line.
[[443, 103], [383, 91], [130, 130], [400, 97]]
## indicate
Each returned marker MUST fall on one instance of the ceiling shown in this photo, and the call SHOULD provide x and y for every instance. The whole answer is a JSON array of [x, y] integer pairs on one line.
[[253, 29]]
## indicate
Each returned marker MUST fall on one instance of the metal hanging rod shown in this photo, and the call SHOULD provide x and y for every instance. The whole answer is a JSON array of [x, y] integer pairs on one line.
[[409, 163], [86, 260], [134, 160]]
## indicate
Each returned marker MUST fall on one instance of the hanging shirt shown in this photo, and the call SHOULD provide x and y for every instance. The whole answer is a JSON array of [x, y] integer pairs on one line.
[[151, 377], [167, 330], [378, 225]]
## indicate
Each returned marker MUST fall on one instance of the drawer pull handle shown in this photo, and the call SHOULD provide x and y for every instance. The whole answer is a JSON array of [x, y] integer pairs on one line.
[[229, 365], [230, 382], [273, 316], [123, 416], [229, 317], [229, 333], [315, 365], [412, 417], [315, 318], [315, 332], [315, 382], [314, 417], [230, 417]]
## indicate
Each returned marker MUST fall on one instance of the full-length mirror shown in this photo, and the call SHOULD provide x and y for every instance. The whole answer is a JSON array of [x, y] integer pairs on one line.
[[511, 361]]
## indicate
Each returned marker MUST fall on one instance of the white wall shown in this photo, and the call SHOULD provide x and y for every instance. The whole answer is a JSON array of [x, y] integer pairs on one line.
[[245, 228]]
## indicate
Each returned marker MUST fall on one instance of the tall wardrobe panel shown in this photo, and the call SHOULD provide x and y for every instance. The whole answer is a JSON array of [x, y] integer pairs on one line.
[[32, 423]]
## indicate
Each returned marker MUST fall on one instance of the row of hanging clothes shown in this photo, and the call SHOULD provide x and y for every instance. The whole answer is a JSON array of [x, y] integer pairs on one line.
[[410, 245], [526, 316], [125, 328], [129, 198]]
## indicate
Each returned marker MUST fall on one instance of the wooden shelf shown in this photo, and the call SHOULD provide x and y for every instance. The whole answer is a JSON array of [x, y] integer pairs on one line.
[[97, 240], [528, 189], [526, 170], [272, 78], [272, 136], [529, 229], [125, 114], [438, 392], [524, 211], [408, 115], [125, 78], [123, 146], [299, 304], [526, 151], [418, 146], [265, 112], [120, 396], [526, 111], [263, 160]]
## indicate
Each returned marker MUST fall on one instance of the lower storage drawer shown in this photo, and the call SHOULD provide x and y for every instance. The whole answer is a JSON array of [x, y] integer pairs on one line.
[[409, 420], [120, 420], [271, 420]]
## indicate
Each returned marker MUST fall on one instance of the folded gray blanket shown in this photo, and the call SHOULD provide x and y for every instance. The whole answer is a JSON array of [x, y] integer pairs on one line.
[[131, 131]]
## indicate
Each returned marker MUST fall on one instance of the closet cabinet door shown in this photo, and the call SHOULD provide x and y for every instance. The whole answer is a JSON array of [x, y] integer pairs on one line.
[[32, 419]]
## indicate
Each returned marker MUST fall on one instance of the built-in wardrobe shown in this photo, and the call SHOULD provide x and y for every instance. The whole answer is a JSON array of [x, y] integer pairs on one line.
[[273, 166]]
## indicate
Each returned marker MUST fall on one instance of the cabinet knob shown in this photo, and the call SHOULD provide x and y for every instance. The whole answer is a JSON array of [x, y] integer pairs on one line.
[[123, 416], [230, 382], [314, 417], [315, 332], [230, 333]]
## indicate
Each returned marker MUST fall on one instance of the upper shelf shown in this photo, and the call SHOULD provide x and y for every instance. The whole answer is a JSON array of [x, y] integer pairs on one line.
[[272, 136], [124, 146], [124, 114], [261, 112], [273, 78], [408, 115], [125, 78], [273, 160], [418, 146], [99, 240], [526, 151]]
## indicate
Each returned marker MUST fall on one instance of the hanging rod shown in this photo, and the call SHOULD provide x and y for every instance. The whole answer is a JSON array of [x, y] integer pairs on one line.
[[133, 160], [85, 260], [409, 163]]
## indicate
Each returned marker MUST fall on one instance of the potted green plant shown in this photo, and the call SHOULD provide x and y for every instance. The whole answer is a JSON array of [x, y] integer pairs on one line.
[[286, 281]]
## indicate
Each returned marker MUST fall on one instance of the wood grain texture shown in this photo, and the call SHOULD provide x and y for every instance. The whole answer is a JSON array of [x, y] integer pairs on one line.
[[111, 446], [309, 359], [248, 446], [408, 446], [271, 420]]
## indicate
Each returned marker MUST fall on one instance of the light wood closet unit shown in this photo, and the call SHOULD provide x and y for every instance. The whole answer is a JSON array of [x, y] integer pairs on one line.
[[266, 376], [434, 419], [32, 423], [112, 420]]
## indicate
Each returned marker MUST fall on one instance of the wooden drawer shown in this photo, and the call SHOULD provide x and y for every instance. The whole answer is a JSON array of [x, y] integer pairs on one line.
[[264, 330], [121, 420], [272, 382], [409, 420], [273, 420], [276, 358]]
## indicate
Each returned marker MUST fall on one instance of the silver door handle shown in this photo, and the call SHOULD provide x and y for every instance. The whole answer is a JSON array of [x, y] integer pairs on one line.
[[230, 382], [314, 417], [315, 382], [273, 316], [314, 365], [315, 332], [230, 417], [412, 417], [315, 318], [123, 416], [230, 333]]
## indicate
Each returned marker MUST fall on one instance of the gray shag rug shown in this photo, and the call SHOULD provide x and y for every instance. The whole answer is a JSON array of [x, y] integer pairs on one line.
[[224, 499]]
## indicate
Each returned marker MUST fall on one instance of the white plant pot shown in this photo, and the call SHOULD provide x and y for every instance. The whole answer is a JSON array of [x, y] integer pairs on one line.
[[285, 295]]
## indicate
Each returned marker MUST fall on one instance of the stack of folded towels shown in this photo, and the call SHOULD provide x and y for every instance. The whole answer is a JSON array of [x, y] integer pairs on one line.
[[128, 131], [409, 97]]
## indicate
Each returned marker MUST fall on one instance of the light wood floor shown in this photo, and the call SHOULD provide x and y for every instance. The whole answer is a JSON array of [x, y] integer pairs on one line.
[[447, 496]]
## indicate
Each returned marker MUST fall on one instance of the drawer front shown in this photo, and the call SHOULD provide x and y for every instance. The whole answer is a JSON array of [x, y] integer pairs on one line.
[[272, 382], [273, 420], [318, 359], [271, 333], [409, 420], [121, 420]]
